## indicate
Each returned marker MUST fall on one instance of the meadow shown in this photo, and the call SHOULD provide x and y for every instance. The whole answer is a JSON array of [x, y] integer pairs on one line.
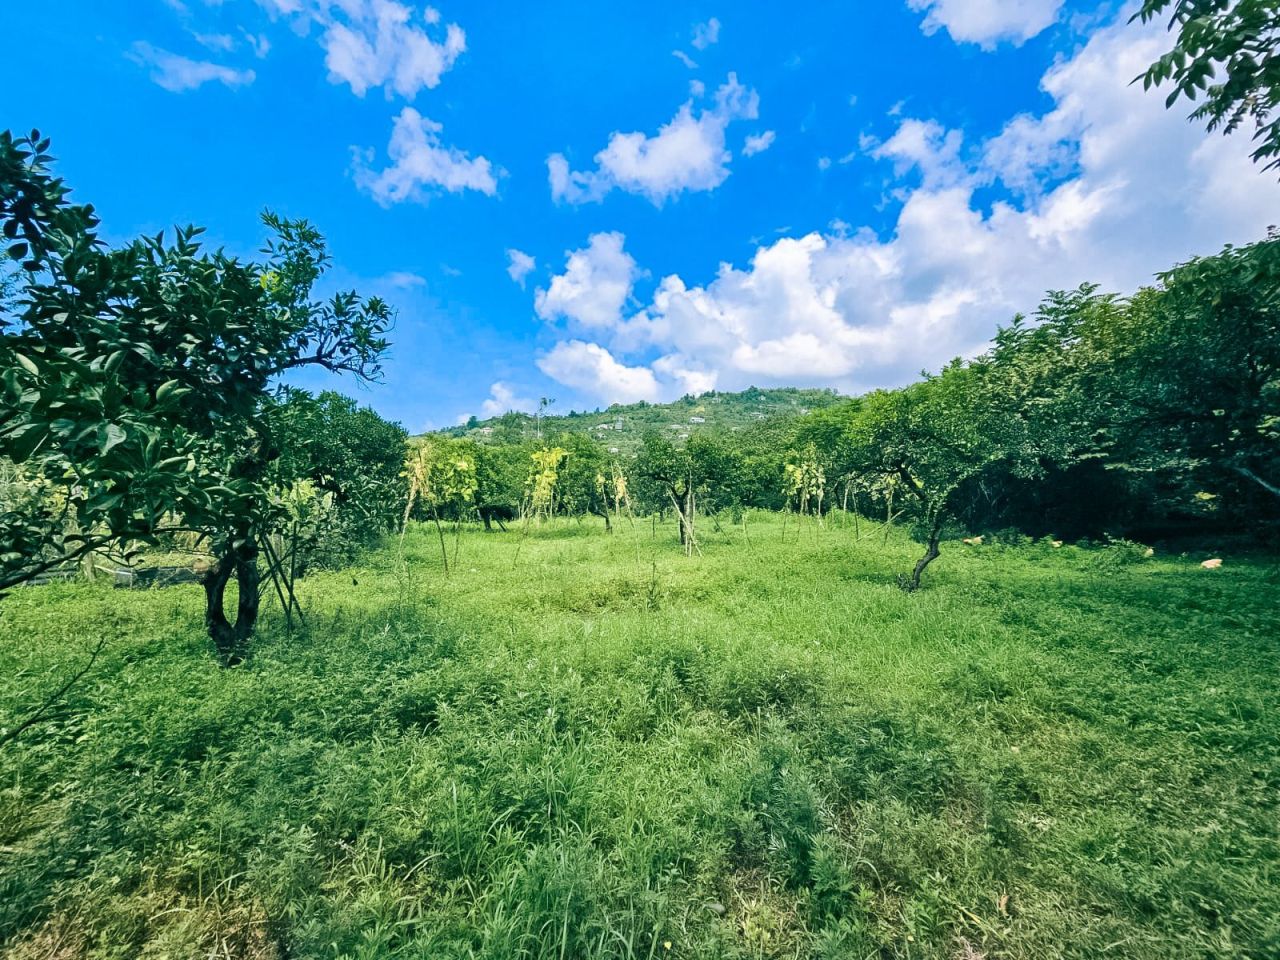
[[586, 746]]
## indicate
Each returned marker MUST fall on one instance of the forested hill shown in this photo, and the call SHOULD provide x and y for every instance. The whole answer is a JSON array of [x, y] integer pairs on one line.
[[622, 426]]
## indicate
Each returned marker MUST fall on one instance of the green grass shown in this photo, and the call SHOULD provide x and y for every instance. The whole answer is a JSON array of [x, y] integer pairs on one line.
[[591, 746]]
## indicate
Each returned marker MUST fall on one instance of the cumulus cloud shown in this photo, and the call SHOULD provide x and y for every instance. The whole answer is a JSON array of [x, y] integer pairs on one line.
[[421, 165], [688, 153], [705, 34], [987, 22], [503, 399], [684, 58], [519, 265], [377, 43], [592, 369], [595, 285], [927, 146], [758, 143], [177, 73], [1105, 186]]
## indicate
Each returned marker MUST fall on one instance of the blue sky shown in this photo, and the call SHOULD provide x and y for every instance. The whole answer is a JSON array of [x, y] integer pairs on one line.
[[613, 202]]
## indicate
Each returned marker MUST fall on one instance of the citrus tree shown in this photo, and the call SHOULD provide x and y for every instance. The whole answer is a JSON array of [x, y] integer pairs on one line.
[[704, 468], [935, 436], [136, 381], [585, 481]]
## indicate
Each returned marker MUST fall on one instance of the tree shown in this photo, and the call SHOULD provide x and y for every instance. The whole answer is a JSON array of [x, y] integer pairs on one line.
[[935, 436], [500, 474], [804, 481], [1197, 368], [543, 482], [137, 380], [1237, 39], [585, 480], [442, 479], [1168, 400], [350, 454], [704, 468]]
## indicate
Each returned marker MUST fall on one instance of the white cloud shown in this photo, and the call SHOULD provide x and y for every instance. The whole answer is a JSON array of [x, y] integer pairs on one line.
[[684, 58], [223, 42], [595, 285], [926, 145], [1106, 186], [503, 399], [592, 369], [688, 153], [420, 164], [176, 73], [386, 51], [377, 43], [519, 265], [758, 143], [258, 43], [705, 34], [987, 22], [404, 279]]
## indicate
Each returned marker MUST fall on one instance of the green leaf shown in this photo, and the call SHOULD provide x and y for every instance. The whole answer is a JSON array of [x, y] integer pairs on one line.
[[22, 444], [115, 435]]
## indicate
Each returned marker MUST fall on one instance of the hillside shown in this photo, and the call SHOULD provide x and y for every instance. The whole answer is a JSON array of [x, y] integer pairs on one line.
[[621, 426]]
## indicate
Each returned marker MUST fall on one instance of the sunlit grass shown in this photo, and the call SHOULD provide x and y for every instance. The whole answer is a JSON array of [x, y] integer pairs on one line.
[[587, 746]]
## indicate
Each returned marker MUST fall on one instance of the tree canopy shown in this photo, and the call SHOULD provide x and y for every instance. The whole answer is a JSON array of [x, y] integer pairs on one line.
[[136, 381], [1227, 56]]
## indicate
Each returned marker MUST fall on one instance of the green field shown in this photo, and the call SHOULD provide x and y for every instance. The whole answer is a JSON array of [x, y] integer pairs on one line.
[[588, 746]]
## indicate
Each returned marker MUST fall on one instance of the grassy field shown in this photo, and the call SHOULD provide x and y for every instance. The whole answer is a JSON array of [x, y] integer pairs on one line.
[[591, 746]]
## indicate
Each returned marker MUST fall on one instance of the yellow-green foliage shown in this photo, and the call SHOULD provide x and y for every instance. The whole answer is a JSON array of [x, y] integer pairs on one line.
[[543, 478], [804, 482], [441, 474]]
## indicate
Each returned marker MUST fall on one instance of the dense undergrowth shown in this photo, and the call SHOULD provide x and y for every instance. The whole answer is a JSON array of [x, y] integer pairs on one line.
[[589, 746]]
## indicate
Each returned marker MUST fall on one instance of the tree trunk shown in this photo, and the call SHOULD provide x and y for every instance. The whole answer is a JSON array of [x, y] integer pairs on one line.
[[690, 505], [444, 550], [930, 554], [231, 640], [1271, 488], [677, 501]]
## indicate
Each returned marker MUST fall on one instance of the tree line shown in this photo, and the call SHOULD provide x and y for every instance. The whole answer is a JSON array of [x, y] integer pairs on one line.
[[141, 408], [1153, 415]]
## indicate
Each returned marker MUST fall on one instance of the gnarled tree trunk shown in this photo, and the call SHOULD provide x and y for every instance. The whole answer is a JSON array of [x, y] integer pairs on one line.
[[231, 639], [930, 554]]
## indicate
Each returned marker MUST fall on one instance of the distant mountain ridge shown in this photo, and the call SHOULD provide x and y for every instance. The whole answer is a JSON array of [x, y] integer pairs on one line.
[[620, 427]]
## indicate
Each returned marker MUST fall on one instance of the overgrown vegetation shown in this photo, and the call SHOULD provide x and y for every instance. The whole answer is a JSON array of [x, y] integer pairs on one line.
[[563, 738], [605, 748]]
